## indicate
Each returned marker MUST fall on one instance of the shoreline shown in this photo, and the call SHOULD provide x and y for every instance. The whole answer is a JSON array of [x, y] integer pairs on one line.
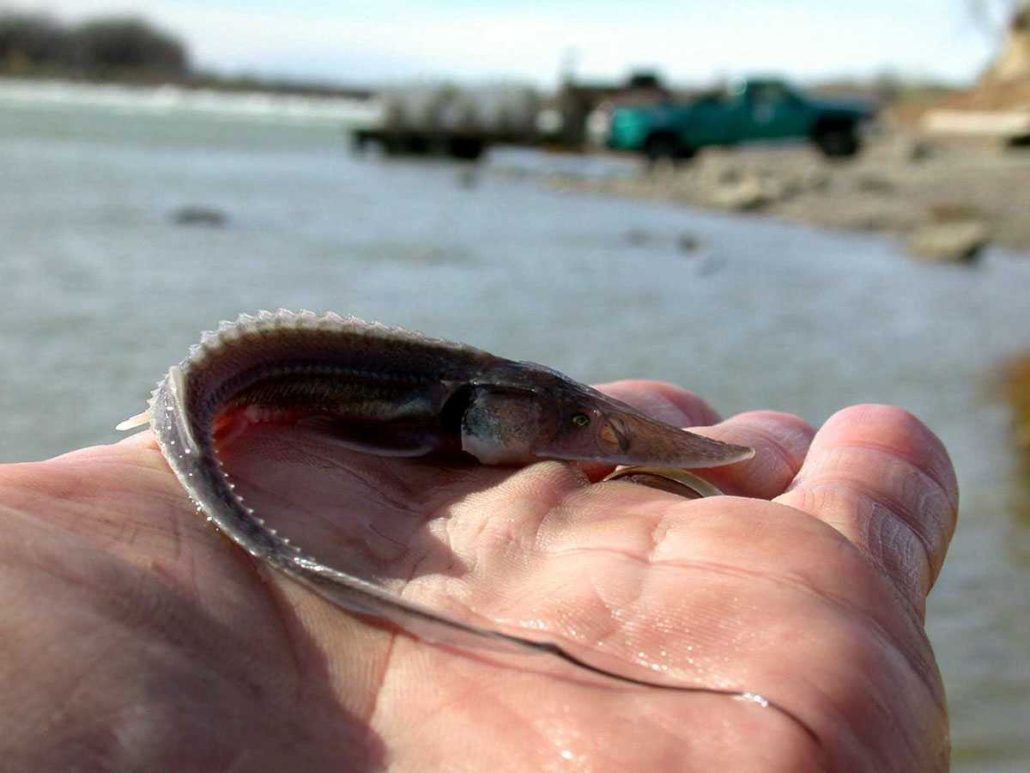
[[946, 200], [161, 99]]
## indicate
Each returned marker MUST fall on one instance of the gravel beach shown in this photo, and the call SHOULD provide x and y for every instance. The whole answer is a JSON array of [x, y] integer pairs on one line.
[[945, 199]]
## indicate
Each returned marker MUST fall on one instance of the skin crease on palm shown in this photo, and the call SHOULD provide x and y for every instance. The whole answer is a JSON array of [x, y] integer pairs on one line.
[[135, 638]]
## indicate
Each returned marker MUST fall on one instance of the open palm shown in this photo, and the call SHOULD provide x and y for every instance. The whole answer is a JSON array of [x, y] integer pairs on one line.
[[134, 638]]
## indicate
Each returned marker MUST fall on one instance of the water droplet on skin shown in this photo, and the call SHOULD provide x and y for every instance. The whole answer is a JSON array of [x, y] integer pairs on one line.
[[754, 698]]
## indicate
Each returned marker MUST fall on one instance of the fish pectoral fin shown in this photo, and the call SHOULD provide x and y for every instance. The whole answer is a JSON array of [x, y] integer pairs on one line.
[[134, 422], [397, 439]]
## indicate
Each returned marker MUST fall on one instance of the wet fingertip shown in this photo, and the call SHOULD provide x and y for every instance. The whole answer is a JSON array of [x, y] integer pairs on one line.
[[880, 417], [896, 430]]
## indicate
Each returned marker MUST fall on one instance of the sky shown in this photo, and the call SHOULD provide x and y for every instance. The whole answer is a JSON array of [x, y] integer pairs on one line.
[[371, 42]]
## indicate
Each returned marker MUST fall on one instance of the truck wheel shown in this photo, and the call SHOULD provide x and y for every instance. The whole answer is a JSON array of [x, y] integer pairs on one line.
[[837, 141], [665, 147]]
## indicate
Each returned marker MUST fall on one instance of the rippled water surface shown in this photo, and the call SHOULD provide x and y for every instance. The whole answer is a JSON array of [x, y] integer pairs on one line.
[[102, 290]]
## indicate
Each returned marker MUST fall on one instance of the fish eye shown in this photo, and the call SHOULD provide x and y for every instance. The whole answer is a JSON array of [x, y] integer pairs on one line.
[[580, 420]]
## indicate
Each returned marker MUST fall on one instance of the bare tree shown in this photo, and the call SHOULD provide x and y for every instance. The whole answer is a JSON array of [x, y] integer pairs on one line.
[[121, 44], [97, 48], [30, 39]]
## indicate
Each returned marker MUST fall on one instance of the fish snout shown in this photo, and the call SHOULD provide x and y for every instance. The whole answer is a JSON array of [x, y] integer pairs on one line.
[[632, 438]]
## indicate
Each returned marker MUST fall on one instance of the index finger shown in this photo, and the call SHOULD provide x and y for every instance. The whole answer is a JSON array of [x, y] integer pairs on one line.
[[881, 478], [663, 401]]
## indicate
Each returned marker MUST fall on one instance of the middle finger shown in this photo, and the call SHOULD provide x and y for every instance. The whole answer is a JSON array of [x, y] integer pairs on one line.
[[781, 442]]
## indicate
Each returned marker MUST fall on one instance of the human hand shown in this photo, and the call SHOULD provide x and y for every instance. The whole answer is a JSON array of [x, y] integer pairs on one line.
[[134, 638]]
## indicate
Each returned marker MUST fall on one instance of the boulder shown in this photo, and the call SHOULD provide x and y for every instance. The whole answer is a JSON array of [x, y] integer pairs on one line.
[[956, 242], [919, 151], [750, 194]]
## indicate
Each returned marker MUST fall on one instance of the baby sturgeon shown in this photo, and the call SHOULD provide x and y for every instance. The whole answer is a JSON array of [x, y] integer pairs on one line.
[[388, 391]]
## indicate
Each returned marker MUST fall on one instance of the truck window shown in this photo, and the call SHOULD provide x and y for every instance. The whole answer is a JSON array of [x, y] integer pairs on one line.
[[772, 94], [712, 98]]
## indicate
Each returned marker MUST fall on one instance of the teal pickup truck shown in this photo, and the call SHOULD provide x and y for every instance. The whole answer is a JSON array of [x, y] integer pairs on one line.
[[753, 110]]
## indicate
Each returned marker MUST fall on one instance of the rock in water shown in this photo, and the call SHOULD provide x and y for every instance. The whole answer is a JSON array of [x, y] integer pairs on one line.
[[688, 243], [203, 216]]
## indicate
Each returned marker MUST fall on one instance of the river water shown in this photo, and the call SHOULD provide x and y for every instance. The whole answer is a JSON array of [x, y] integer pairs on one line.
[[102, 290]]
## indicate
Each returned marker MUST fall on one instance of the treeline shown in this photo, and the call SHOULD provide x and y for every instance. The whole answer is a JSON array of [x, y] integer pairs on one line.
[[107, 47]]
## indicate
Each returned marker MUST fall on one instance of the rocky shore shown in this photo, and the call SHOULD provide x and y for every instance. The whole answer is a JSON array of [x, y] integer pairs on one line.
[[945, 200]]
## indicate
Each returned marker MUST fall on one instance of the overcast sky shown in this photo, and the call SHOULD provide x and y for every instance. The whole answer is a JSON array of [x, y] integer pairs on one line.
[[370, 41]]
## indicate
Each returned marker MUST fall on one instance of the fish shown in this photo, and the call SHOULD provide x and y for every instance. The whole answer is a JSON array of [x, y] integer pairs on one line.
[[388, 391]]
